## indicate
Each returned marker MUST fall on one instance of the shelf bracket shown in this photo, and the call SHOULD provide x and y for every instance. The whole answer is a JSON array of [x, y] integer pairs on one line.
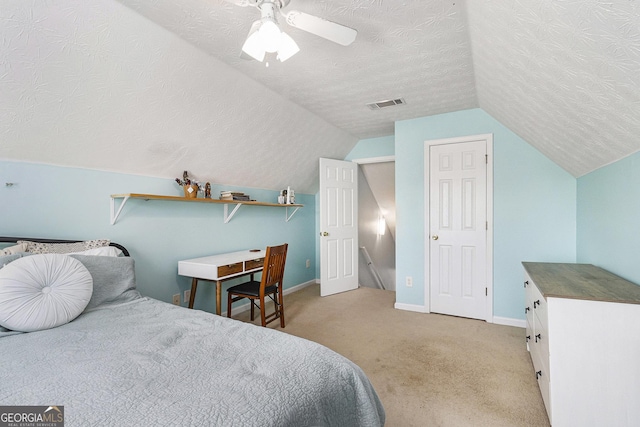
[[286, 213], [114, 214], [227, 215]]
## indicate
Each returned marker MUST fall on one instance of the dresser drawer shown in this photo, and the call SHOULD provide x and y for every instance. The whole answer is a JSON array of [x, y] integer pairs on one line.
[[528, 311], [227, 270], [528, 300], [254, 263], [539, 305], [540, 341], [541, 371], [542, 376]]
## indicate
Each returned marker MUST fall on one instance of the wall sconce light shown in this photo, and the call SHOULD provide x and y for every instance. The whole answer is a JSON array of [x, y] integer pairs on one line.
[[382, 226]]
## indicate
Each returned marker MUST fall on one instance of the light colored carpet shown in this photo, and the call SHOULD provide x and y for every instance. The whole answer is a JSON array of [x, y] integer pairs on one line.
[[428, 369]]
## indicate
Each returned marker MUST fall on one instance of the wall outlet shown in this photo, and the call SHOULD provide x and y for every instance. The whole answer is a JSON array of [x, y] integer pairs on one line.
[[176, 299], [308, 263], [408, 281], [187, 296]]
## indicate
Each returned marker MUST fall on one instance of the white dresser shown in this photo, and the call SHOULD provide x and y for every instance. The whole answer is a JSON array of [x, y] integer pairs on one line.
[[583, 334]]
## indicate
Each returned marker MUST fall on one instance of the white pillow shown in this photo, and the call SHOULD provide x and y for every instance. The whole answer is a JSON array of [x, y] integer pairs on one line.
[[11, 250], [63, 248], [105, 251], [43, 291]]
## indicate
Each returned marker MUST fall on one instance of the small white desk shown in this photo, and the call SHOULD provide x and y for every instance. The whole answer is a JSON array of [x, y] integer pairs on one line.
[[218, 268]]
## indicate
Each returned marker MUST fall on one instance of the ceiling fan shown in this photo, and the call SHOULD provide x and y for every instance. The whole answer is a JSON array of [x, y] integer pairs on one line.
[[265, 34]]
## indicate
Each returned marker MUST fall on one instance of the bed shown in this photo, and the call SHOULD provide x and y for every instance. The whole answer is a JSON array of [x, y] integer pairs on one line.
[[131, 360]]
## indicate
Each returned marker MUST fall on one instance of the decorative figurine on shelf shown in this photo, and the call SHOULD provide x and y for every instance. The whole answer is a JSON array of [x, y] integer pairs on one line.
[[207, 190], [287, 197], [190, 187]]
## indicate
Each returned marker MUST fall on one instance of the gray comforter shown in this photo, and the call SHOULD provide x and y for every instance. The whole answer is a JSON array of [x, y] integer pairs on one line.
[[147, 362]]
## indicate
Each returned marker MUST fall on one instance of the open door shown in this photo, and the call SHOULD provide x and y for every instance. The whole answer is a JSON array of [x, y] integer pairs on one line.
[[338, 226]]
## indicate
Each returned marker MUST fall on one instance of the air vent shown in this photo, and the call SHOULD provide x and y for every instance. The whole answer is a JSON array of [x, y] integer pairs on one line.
[[388, 103]]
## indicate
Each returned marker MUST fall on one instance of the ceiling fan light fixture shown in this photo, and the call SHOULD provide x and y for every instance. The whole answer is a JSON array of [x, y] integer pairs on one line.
[[253, 45], [288, 47], [265, 36], [270, 35]]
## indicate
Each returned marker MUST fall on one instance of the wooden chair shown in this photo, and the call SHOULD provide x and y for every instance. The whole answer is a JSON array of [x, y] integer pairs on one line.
[[270, 285]]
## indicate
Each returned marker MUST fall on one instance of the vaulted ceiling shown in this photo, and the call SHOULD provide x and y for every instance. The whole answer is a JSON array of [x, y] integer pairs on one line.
[[158, 86]]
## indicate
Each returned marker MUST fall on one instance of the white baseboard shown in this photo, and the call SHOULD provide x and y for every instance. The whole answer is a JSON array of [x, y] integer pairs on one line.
[[245, 307], [411, 307], [296, 288], [508, 321], [518, 323]]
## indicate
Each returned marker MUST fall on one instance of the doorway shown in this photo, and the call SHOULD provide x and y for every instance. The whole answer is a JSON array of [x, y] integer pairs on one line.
[[338, 226], [376, 223]]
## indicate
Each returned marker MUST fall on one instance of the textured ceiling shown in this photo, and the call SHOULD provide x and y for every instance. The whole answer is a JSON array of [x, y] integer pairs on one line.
[[563, 74], [157, 86], [414, 49]]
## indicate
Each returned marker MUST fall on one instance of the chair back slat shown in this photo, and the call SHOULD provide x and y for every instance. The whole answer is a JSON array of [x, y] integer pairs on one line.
[[274, 262]]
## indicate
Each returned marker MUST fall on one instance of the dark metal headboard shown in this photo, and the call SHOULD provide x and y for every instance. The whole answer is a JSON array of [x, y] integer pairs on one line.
[[124, 250]]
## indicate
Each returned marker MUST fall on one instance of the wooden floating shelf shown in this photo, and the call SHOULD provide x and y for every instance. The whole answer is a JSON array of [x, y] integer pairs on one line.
[[227, 215]]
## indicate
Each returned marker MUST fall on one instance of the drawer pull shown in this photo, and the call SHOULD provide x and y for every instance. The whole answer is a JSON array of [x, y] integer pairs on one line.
[[538, 337], [539, 374], [528, 338], [537, 302], [526, 310], [526, 283]]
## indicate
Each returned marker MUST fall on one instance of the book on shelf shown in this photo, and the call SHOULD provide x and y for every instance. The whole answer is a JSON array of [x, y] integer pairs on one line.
[[234, 195]]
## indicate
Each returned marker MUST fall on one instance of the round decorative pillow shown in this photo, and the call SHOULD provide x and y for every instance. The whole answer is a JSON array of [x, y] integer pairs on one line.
[[43, 291]]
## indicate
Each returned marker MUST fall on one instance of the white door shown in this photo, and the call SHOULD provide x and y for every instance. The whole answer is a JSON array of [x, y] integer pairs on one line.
[[458, 229], [338, 226]]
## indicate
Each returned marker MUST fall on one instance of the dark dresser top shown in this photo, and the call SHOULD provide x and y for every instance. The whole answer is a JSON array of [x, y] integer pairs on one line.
[[581, 281]]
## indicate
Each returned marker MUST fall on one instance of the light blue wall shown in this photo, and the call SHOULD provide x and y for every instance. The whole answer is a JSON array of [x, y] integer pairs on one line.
[[59, 202], [534, 214], [534, 206], [609, 218]]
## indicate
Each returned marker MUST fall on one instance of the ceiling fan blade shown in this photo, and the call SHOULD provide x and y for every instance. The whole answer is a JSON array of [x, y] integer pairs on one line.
[[321, 27], [243, 3]]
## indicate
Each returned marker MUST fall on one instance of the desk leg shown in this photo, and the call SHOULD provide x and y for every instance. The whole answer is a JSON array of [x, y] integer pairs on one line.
[[218, 297], [192, 297]]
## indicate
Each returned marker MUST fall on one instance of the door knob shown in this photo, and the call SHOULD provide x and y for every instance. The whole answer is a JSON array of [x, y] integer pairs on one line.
[[324, 233], [434, 237]]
